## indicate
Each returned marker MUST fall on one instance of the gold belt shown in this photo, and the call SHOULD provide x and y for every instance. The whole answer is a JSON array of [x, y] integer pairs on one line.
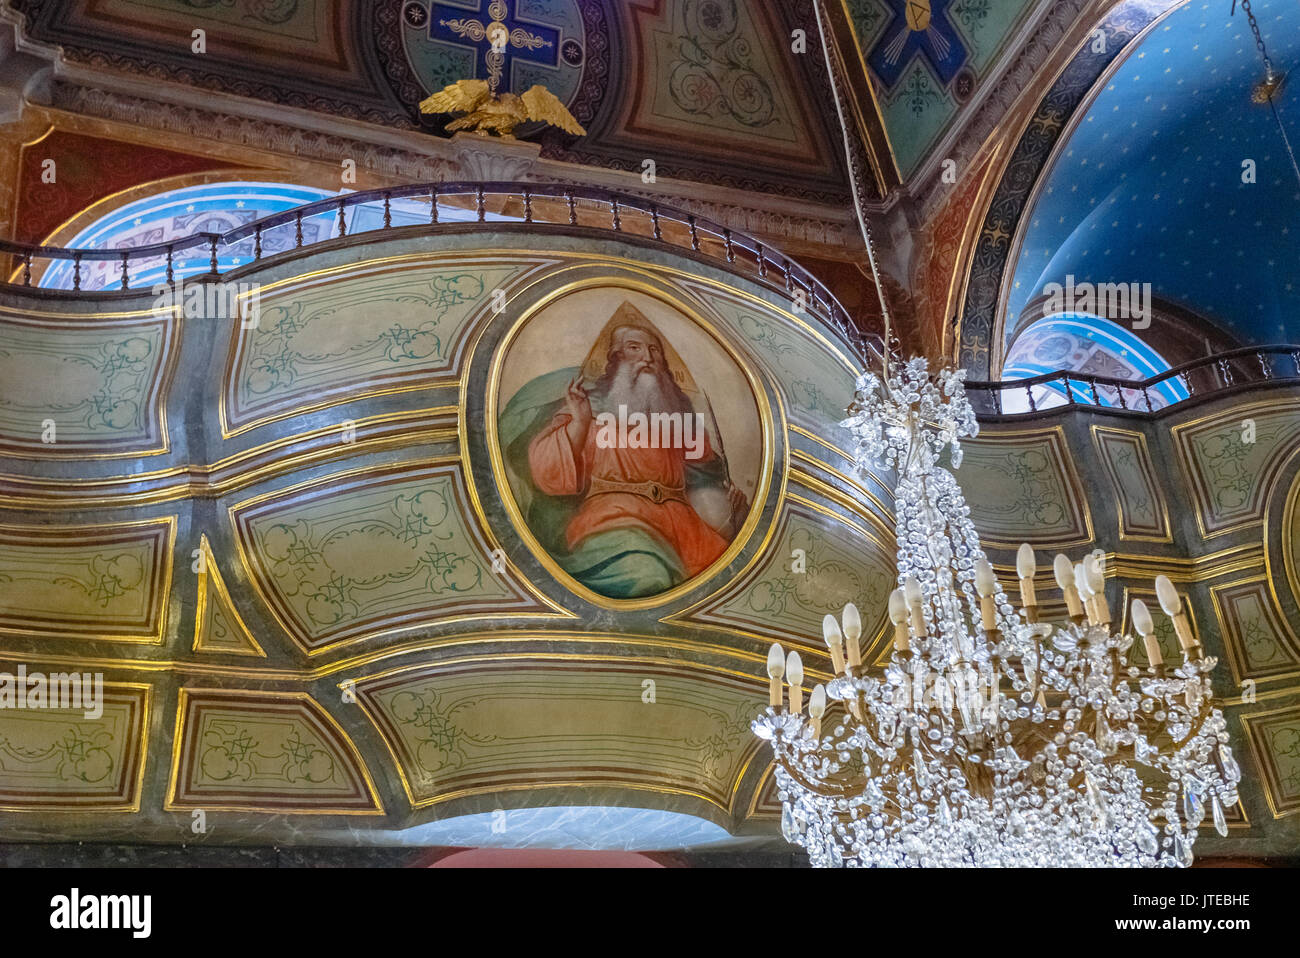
[[656, 492]]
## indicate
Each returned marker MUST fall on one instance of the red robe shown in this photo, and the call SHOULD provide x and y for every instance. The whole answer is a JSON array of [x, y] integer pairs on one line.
[[558, 472]]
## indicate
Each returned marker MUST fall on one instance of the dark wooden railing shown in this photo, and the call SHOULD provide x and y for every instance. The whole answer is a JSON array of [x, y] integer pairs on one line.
[[1229, 371], [533, 207]]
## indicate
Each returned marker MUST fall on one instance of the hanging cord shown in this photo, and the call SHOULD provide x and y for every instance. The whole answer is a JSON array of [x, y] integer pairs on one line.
[[1264, 92], [863, 225]]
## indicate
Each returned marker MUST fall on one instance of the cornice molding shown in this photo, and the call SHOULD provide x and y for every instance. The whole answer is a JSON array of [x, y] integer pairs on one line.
[[410, 156]]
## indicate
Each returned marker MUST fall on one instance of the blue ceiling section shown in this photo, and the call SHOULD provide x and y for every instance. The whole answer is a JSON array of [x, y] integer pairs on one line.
[[1149, 186]]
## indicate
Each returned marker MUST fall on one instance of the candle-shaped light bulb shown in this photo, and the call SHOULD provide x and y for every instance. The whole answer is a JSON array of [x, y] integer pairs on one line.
[[1083, 585], [776, 661], [817, 702], [794, 676], [985, 582], [775, 669], [897, 607], [912, 590], [834, 641], [1173, 606], [1026, 564], [853, 634], [1142, 618], [898, 616], [1096, 577], [1081, 581], [1065, 579], [817, 708], [1147, 629], [1094, 568], [1064, 572], [1168, 596]]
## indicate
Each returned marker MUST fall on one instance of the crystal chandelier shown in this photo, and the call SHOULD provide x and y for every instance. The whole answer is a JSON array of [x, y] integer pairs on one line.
[[991, 738]]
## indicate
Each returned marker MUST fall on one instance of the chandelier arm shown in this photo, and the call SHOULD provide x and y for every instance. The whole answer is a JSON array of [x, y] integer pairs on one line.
[[821, 789]]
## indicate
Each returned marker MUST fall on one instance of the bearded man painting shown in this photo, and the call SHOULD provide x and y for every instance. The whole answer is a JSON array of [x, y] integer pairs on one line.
[[627, 519]]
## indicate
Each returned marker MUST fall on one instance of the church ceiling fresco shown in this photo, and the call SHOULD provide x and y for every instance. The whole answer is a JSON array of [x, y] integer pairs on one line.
[[694, 85], [334, 617], [402, 326], [981, 334], [65, 759], [106, 581], [630, 386], [927, 58], [1171, 176], [100, 379], [471, 728]]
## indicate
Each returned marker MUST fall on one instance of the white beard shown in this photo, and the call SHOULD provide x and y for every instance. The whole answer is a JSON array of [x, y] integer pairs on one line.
[[641, 391]]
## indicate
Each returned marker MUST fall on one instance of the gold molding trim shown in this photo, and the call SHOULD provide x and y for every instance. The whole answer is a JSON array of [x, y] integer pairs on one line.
[[525, 585], [173, 328], [165, 567], [547, 656], [210, 578], [1147, 467], [238, 470], [171, 803], [142, 760]]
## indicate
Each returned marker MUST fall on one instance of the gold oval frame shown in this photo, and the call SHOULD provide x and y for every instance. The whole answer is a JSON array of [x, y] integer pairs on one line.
[[491, 410]]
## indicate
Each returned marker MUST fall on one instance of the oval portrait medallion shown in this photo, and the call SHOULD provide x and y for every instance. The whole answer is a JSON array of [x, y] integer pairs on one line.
[[632, 444]]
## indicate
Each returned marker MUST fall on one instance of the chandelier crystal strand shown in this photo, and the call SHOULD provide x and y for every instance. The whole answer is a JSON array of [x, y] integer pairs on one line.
[[991, 739]]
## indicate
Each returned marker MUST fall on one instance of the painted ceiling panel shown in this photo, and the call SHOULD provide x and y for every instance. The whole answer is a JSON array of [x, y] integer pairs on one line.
[[708, 88], [1152, 185], [927, 57]]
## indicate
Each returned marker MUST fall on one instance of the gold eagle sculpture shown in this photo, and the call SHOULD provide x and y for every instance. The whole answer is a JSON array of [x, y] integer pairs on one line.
[[489, 113]]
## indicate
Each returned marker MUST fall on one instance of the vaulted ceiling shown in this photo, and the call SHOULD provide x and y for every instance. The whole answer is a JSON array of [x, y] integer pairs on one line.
[[707, 89], [1173, 177]]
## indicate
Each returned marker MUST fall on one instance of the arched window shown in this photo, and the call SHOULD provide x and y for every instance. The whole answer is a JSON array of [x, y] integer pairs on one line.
[[221, 207], [1091, 345], [177, 214]]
